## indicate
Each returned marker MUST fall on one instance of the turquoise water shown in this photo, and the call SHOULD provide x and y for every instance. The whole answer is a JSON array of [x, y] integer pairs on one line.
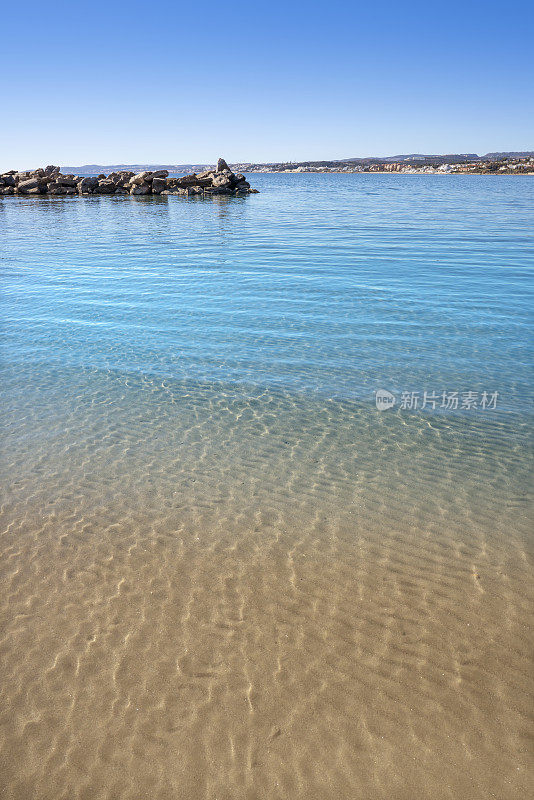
[[333, 285], [188, 393]]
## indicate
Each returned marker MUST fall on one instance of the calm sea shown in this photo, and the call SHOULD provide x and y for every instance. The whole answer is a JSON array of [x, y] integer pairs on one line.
[[225, 572]]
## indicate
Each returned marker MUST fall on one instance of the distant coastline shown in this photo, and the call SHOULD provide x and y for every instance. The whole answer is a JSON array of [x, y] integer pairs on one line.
[[506, 163], [497, 163]]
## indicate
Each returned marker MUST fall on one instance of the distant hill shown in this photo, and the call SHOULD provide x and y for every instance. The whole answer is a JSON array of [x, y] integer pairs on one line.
[[419, 157], [498, 156], [95, 169], [449, 158], [415, 159]]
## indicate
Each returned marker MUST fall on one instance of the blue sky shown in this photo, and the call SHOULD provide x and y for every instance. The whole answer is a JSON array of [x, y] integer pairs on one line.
[[170, 82]]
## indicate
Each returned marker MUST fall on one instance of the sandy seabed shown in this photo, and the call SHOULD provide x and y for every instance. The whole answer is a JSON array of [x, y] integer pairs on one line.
[[231, 599]]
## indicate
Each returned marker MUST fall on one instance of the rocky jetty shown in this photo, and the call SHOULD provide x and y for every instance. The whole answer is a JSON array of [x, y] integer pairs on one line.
[[51, 181]]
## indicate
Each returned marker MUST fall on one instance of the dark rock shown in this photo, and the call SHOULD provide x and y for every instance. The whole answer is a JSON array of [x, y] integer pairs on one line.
[[158, 185], [222, 165], [121, 181], [59, 189], [87, 184], [65, 180], [105, 187], [203, 181], [187, 180], [212, 190], [223, 180], [56, 188], [142, 188], [160, 173], [29, 184]]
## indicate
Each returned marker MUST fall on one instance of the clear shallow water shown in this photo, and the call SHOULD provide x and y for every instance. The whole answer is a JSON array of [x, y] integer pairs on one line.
[[225, 572]]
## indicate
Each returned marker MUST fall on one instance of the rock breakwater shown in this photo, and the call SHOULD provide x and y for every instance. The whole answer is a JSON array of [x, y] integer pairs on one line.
[[51, 181]]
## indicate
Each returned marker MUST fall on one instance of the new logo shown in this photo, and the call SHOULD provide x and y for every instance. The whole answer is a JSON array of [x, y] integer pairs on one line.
[[384, 399]]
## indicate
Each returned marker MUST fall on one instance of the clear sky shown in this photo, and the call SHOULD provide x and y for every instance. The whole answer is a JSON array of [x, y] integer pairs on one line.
[[124, 81]]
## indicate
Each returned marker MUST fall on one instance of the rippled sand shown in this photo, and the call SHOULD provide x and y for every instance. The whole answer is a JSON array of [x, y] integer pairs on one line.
[[216, 594]]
